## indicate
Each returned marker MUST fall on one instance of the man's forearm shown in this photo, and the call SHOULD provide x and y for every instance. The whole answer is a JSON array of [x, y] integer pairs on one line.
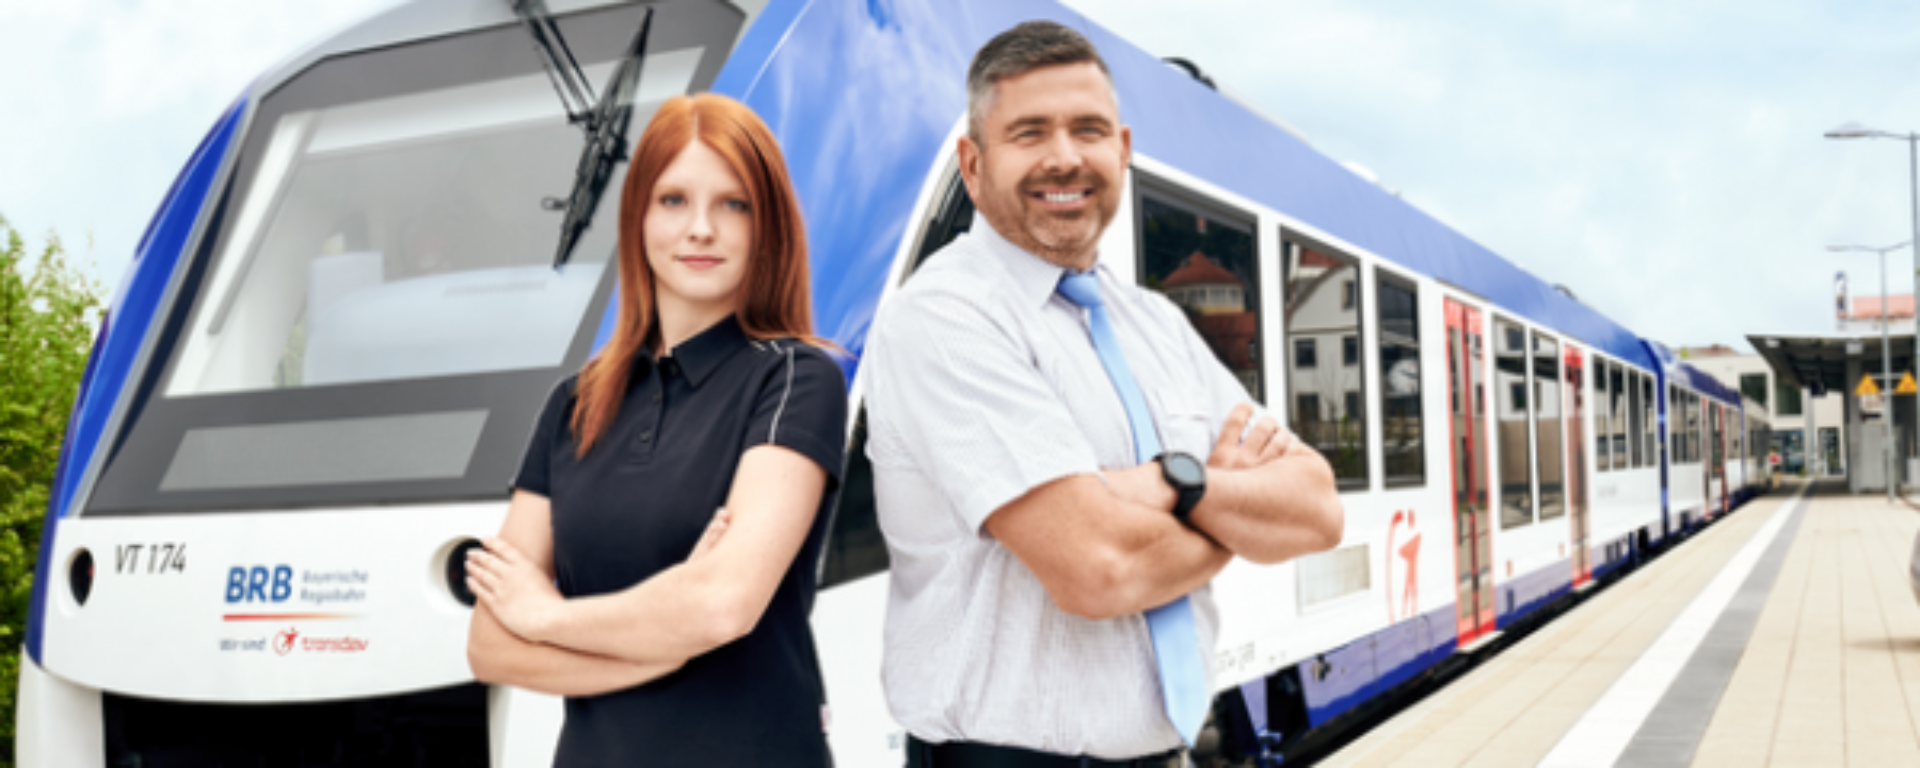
[[1162, 559], [1273, 512]]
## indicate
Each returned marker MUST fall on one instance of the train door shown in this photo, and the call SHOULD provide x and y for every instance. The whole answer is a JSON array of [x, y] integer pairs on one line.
[[1574, 376], [1472, 518]]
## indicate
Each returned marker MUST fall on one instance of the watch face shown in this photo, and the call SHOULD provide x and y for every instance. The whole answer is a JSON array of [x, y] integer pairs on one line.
[[1184, 469]]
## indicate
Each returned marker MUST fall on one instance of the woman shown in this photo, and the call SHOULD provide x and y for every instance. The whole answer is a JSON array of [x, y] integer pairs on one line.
[[657, 562]]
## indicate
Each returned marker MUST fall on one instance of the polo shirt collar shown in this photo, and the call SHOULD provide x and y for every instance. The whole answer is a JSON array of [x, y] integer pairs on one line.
[[698, 357], [1034, 279]]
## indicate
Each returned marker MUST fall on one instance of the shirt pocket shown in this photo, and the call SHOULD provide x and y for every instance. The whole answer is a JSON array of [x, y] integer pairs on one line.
[[1184, 423]]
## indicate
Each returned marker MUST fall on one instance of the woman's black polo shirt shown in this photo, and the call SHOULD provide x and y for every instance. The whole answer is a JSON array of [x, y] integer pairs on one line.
[[637, 503]]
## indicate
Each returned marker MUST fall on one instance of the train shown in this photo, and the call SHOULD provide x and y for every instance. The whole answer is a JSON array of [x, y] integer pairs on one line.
[[315, 378]]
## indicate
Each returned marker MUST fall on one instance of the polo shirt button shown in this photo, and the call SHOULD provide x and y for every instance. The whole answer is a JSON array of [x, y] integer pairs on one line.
[[647, 436]]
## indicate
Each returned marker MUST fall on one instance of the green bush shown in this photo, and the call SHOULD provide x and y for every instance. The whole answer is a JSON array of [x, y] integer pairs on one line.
[[46, 313]]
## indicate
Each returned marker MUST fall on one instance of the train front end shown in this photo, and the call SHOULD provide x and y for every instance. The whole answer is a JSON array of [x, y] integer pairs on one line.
[[314, 386]]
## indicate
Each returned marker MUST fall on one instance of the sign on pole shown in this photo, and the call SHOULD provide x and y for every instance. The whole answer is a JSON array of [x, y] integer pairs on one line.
[[1867, 387], [1907, 385]]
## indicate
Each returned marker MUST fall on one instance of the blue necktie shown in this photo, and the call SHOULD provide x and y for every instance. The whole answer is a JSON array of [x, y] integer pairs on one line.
[[1176, 643]]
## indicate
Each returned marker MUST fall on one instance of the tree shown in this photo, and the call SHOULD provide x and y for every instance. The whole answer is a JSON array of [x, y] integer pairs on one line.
[[46, 308]]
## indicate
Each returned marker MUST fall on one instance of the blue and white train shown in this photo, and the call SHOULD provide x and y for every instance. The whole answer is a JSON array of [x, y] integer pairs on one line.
[[319, 372]]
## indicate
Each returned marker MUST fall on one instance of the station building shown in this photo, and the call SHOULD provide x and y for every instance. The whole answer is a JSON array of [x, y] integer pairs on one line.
[[1820, 376]]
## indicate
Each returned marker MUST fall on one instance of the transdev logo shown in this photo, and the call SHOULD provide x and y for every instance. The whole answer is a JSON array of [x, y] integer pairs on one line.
[[283, 641], [289, 640]]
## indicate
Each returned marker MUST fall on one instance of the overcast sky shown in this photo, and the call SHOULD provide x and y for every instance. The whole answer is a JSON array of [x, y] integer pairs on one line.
[[1664, 160]]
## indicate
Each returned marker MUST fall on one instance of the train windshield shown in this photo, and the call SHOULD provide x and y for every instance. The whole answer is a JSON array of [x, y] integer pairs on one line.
[[377, 316]]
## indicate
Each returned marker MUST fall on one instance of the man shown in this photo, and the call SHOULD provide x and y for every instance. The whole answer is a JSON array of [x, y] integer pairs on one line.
[[1036, 424]]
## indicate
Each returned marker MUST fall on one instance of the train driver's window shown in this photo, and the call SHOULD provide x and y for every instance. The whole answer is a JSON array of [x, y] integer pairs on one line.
[[1200, 254], [1319, 306], [397, 238], [1511, 375], [1401, 426], [1602, 414]]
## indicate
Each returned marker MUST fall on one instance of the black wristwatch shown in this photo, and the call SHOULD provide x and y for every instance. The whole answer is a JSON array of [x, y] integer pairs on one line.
[[1188, 476]]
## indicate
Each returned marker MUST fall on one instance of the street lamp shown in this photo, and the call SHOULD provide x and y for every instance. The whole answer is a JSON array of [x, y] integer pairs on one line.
[[1886, 352], [1854, 130]]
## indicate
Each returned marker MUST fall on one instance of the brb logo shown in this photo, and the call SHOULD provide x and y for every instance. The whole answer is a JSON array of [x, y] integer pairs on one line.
[[259, 584]]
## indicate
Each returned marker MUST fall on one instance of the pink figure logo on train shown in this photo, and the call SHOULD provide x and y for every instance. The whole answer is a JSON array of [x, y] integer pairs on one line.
[[1410, 552]]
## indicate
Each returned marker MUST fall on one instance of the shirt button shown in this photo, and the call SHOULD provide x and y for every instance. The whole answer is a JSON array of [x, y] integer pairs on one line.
[[647, 436], [656, 397]]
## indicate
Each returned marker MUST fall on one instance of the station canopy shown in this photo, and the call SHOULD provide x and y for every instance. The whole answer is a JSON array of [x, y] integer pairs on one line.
[[1804, 359]]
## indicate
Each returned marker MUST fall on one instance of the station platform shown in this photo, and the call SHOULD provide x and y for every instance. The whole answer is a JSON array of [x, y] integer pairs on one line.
[[1786, 634]]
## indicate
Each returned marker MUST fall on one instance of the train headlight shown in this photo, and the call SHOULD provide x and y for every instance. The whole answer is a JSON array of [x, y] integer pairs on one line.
[[80, 576], [456, 571]]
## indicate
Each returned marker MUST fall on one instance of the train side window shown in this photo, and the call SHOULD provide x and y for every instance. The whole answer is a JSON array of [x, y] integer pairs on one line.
[[1690, 423], [1547, 426], [1516, 443], [1686, 427], [1677, 424], [1696, 420], [1401, 426], [1200, 255], [1602, 407], [1692, 426], [1650, 430], [1626, 421], [1318, 307], [1673, 424], [1726, 444]]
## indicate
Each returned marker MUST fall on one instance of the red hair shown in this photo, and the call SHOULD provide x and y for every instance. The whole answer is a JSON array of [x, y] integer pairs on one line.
[[774, 298]]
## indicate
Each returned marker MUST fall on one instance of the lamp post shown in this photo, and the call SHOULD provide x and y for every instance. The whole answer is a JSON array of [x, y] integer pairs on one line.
[[1886, 353], [1854, 130]]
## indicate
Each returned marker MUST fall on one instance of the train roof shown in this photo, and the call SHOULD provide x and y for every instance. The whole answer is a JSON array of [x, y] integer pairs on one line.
[[1179, 121], [796, 51], [1681, 372]]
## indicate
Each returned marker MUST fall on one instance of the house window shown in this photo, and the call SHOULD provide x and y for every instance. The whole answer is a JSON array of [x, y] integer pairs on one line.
[[1754, 385]]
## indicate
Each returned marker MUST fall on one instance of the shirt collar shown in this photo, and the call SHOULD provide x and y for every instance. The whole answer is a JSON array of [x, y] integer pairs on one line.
[[699, 356], [1034, 279]]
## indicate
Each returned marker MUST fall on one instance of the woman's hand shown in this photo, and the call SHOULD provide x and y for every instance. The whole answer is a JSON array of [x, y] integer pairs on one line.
[[518, 593]]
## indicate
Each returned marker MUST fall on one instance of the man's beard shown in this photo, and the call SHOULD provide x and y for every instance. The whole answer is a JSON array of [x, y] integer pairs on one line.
[[1059, 237]]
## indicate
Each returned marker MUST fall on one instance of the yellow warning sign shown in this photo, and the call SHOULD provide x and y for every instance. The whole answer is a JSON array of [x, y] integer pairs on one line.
[[1867, 387], [1907, 385]]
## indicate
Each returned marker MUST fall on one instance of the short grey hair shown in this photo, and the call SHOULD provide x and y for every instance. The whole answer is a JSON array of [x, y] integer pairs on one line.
[[1017, 51]]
